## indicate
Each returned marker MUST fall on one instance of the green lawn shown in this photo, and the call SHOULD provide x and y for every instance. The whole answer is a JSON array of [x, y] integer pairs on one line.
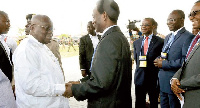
[[64, 51]]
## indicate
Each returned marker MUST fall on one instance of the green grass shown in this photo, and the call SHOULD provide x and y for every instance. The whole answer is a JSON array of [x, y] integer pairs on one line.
[[64, 51]]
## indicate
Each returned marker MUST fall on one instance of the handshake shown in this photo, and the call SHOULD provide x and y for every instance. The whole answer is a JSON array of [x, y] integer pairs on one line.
[[68, 90]]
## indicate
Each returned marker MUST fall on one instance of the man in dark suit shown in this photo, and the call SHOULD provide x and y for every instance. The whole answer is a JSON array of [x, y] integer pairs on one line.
[[5, 53], [187, 78], [109, 85], [86, 49], [172, 56], [146, 49]]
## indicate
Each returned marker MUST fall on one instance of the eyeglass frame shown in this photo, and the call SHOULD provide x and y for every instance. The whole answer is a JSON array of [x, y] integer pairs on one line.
[[193, 13], [173, 20], [47, 28], [146, 25]]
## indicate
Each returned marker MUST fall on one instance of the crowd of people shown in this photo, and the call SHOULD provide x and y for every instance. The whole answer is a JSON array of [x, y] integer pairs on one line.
[[31, 74]]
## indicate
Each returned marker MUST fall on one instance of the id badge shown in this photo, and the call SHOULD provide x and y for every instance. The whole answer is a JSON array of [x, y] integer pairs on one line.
[[163, 55], [142, 57], [143, 61], [143, 64]]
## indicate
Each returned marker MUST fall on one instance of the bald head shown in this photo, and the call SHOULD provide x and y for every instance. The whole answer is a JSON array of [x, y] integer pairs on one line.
[[41, 28], [42, 19], [2, 13], [110, 7]]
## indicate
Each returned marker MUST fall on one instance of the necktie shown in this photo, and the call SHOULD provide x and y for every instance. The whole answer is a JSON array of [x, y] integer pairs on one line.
[[169, 43], [146, 46], [193, 43]]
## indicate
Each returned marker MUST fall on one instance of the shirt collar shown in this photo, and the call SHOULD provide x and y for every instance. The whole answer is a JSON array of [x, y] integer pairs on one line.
[[150, 36], [176, 31], [108, 28], [35, 40]]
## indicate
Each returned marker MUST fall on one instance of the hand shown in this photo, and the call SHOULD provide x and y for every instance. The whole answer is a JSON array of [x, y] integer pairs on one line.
[[68, 91], [84, 74], [174, 86], [158, 62], [74, 82]]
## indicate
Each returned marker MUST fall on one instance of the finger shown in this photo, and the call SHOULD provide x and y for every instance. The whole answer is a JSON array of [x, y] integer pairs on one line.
[[178, 95]]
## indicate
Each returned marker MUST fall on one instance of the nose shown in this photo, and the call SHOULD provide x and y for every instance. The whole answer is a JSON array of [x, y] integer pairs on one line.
[[191, 18]]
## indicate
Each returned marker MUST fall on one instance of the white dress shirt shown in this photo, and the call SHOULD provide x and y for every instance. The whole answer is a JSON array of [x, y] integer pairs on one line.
[[95, 40], [39, 80]]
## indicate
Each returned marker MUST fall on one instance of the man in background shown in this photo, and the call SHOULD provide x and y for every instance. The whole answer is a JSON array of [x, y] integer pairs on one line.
[[146, 49], [5, 52], [172, 56], [87, 45]]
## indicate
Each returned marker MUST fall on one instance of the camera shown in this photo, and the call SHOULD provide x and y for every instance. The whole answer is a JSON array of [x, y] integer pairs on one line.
[[132, 25]]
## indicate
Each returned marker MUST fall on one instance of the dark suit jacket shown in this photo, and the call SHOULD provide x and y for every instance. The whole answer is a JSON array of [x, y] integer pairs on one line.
[[176, 56], [189, 77], [5, 65], [109, 85], [86, 51], [149, 74]]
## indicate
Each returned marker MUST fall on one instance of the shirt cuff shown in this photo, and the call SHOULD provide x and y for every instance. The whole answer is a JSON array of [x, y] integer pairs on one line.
[[172, 79], [59, 89]]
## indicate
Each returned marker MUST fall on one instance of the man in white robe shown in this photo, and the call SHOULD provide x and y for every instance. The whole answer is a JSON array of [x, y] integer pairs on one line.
[[39, 80]]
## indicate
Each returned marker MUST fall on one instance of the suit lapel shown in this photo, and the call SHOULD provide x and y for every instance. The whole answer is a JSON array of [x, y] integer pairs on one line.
[[89, 41], [152, 43], [179, 34], [139, 45], [193, 51]]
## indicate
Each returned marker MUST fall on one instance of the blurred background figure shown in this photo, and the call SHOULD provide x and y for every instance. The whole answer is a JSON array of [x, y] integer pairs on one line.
[[70, 43], [87, 46]]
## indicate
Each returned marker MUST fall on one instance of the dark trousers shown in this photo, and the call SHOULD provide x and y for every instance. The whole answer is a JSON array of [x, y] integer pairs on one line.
[[169, 100], [140, 93]]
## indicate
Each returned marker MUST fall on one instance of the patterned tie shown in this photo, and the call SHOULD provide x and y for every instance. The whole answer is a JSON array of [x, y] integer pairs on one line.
[[193, 43], [146, 45], [169, 43]]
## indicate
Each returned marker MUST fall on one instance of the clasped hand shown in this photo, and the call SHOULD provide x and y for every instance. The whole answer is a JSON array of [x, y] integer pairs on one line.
[[175, 88], [68, 90], [158, 62]]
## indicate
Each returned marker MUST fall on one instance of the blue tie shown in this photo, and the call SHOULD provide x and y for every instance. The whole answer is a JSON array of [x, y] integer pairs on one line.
[[169, 43], [92, 58]]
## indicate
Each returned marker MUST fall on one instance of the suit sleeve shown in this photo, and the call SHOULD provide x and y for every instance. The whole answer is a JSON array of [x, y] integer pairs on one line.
[[82, 54], [176, 64], [104, 72]]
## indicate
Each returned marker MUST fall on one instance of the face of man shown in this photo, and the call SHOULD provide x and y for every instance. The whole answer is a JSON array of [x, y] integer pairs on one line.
[[174, 21], [42, 31], [195, 16], [4, 24], [147, 27], [90, 28], [97, 20], [27, 27]]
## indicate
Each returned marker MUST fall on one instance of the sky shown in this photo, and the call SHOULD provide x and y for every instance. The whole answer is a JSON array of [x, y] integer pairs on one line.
[[71, 16]]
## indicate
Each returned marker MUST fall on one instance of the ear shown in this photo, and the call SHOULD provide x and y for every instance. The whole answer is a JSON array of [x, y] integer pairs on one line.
[[105, 16]]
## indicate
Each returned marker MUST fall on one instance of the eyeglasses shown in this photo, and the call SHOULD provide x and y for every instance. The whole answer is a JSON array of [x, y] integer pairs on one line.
[[7, 22], [145, 25], [172, 20], [47, 28], [193, 13]]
